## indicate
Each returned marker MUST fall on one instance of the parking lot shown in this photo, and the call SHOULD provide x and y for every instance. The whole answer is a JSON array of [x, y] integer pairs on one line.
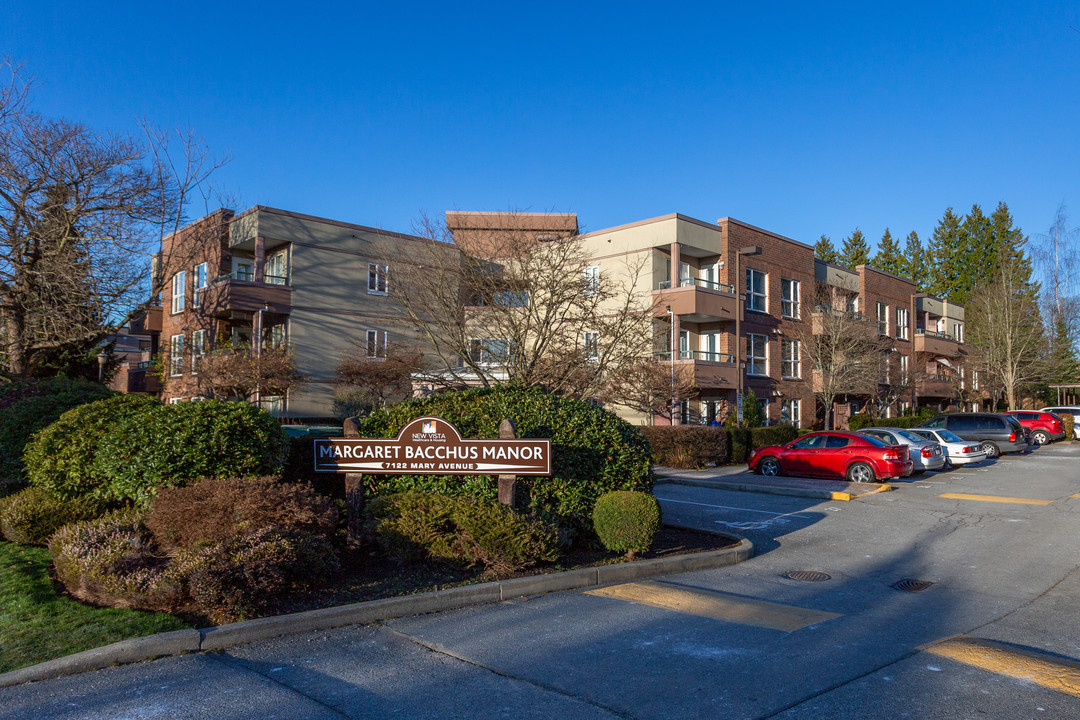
[[952, 595]]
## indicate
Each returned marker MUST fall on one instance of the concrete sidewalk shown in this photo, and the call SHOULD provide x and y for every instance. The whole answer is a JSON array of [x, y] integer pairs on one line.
[[739, 477]]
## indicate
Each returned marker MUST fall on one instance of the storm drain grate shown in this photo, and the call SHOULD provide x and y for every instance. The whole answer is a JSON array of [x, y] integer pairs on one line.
[[910, 585], [807, 575]]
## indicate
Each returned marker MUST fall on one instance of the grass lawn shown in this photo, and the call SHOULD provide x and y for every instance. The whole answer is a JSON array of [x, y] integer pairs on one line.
[[37, 623]]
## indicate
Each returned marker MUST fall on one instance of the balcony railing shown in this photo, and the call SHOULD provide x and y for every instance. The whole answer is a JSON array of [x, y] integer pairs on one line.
[[934, 334], [699, 282], [702, 355], [830, 310], [248, 275]]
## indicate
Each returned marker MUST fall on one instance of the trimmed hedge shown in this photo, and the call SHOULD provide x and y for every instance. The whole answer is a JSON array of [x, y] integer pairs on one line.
[[1068, 422], [418, 525], [60, 458], [688, 446], [862, 420], [626, 521], [27, 407], [594, 451], [32, 515]]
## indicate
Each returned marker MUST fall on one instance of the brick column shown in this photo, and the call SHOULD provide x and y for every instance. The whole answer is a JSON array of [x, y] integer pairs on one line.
[[260, 258]]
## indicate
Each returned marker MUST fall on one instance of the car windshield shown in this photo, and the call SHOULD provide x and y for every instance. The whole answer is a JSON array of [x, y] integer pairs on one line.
[[950, 436], [874, 441], [911, 436]]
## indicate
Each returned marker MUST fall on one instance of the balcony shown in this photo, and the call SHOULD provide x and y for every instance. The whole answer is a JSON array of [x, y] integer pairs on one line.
[[825, 320], [696, 300], [240, 292], [934, 386], [936, 343], [706, 369]]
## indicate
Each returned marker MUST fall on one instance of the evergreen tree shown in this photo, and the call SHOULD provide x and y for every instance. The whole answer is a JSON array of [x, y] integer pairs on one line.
[[824, 250], [945, 255], [888, 256], [915, 261], [1009, 244], [856, 250]]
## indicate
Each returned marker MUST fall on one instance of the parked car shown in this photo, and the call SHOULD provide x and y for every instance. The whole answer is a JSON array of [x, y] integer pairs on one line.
[[996, 433], [958, 451], [1044, 426], [1073, 410], [857, 458], [925, 453]]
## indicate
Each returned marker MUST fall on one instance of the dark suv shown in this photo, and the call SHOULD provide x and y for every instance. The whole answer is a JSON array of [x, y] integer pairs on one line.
[[996, 433]]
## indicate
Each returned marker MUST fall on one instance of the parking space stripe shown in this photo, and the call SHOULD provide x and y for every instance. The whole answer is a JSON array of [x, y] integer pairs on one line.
[[996, 498], [1054, 674], [715, 605]]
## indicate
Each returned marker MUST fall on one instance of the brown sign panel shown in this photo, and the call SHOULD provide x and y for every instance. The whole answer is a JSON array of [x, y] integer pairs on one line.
[[432, 446]]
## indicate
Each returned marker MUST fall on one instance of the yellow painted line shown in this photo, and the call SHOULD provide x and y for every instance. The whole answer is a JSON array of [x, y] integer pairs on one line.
[[1054, 674], [715, 605], [996, 498]]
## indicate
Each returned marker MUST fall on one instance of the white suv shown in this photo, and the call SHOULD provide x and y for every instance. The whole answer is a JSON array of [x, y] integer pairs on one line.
[[1073, 410]]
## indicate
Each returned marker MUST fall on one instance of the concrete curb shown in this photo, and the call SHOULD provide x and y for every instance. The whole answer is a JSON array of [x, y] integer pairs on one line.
[[775, 489], [215, 638]]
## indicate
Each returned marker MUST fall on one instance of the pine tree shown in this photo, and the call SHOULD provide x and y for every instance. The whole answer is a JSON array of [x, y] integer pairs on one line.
[[824, 250], [888, 257], [856, 250], [1009, 244], [915, 265], [944, 255]]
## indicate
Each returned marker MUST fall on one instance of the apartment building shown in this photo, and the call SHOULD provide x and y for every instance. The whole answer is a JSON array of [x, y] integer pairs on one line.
[[268, 277]]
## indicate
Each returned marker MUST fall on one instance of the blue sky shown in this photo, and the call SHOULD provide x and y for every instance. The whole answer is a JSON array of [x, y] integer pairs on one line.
[[799, 119]]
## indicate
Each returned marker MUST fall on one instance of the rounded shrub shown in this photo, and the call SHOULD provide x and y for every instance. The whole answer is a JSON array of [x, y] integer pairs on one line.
[[170, 445], [60, 457], [594, 451], [32, 515], [32, 406], [626, 521]]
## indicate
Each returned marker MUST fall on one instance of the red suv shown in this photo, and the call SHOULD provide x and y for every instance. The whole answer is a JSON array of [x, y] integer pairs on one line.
[[1045, 427], [858, 458]]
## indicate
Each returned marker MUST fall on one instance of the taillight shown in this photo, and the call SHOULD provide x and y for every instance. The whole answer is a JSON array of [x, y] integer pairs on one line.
[[927, 452], [968, 449], [891, 455], [1012, 436]]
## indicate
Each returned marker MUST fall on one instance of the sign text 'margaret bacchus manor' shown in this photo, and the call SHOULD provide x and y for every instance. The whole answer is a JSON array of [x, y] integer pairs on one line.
[[432, 446]]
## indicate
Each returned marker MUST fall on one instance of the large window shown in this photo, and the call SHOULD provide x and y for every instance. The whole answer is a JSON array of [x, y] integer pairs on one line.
[[755, 290], [376, 279], [275, 273], [198, 349], [902, 323], [789, 298], [789, 358], [592, 280], [958, 332], [882, 319], [791, 413], [592, 345], [200, 285], [176, 355], [376, 343], [277, 335], [179, 291], [903, 369], [883, 368], [489, 351], [756, 348]]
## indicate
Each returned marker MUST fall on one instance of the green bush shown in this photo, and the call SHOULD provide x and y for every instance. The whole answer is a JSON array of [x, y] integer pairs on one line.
[[626, 521], [28, 407], [740, 441], [32, 515], [858, 421], [862, 420], [60, 458], [169, 445], [417, 525], [772, 435], [594, 451], [687, 446], [1068, 422]]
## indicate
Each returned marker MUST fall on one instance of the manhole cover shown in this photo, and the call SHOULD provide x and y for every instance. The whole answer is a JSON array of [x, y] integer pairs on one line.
[[909, 585], [807, 575]]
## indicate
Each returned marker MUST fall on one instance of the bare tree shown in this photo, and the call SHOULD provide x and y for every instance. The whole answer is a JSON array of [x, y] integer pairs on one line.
[[371, 380], [521, 309], [80, 212], [841, 347], [648, 387], [1007, 331], [240, 372]]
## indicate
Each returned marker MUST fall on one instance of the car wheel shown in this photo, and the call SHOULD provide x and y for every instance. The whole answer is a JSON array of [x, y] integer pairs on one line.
[[860, 472], [1040, 437], [769, 466], [990, 449]]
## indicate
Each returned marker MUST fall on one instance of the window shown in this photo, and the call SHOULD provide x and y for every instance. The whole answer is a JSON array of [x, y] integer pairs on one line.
[[883, 367], [903, 369], [974, 379], [958, 332], [200, 285], [882, 319], [853, 304], [789, 358], [763, 405], [592, 280], [277, 335], [243, 269], [835, 442], [755, 290], [756, 361], [376, 343], [376, 279], [592, 346], [274, 274], [790, 413], [179, 290], [176, 355], [902, 323], [198, 349], [489, 351], [789, 298]]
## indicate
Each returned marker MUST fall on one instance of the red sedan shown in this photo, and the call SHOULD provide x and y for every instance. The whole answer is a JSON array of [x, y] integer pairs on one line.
[[858, 458], [1044, 426]]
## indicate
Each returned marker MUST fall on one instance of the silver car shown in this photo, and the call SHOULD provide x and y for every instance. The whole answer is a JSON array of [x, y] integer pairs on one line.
[[925, 454], [958, 451]]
